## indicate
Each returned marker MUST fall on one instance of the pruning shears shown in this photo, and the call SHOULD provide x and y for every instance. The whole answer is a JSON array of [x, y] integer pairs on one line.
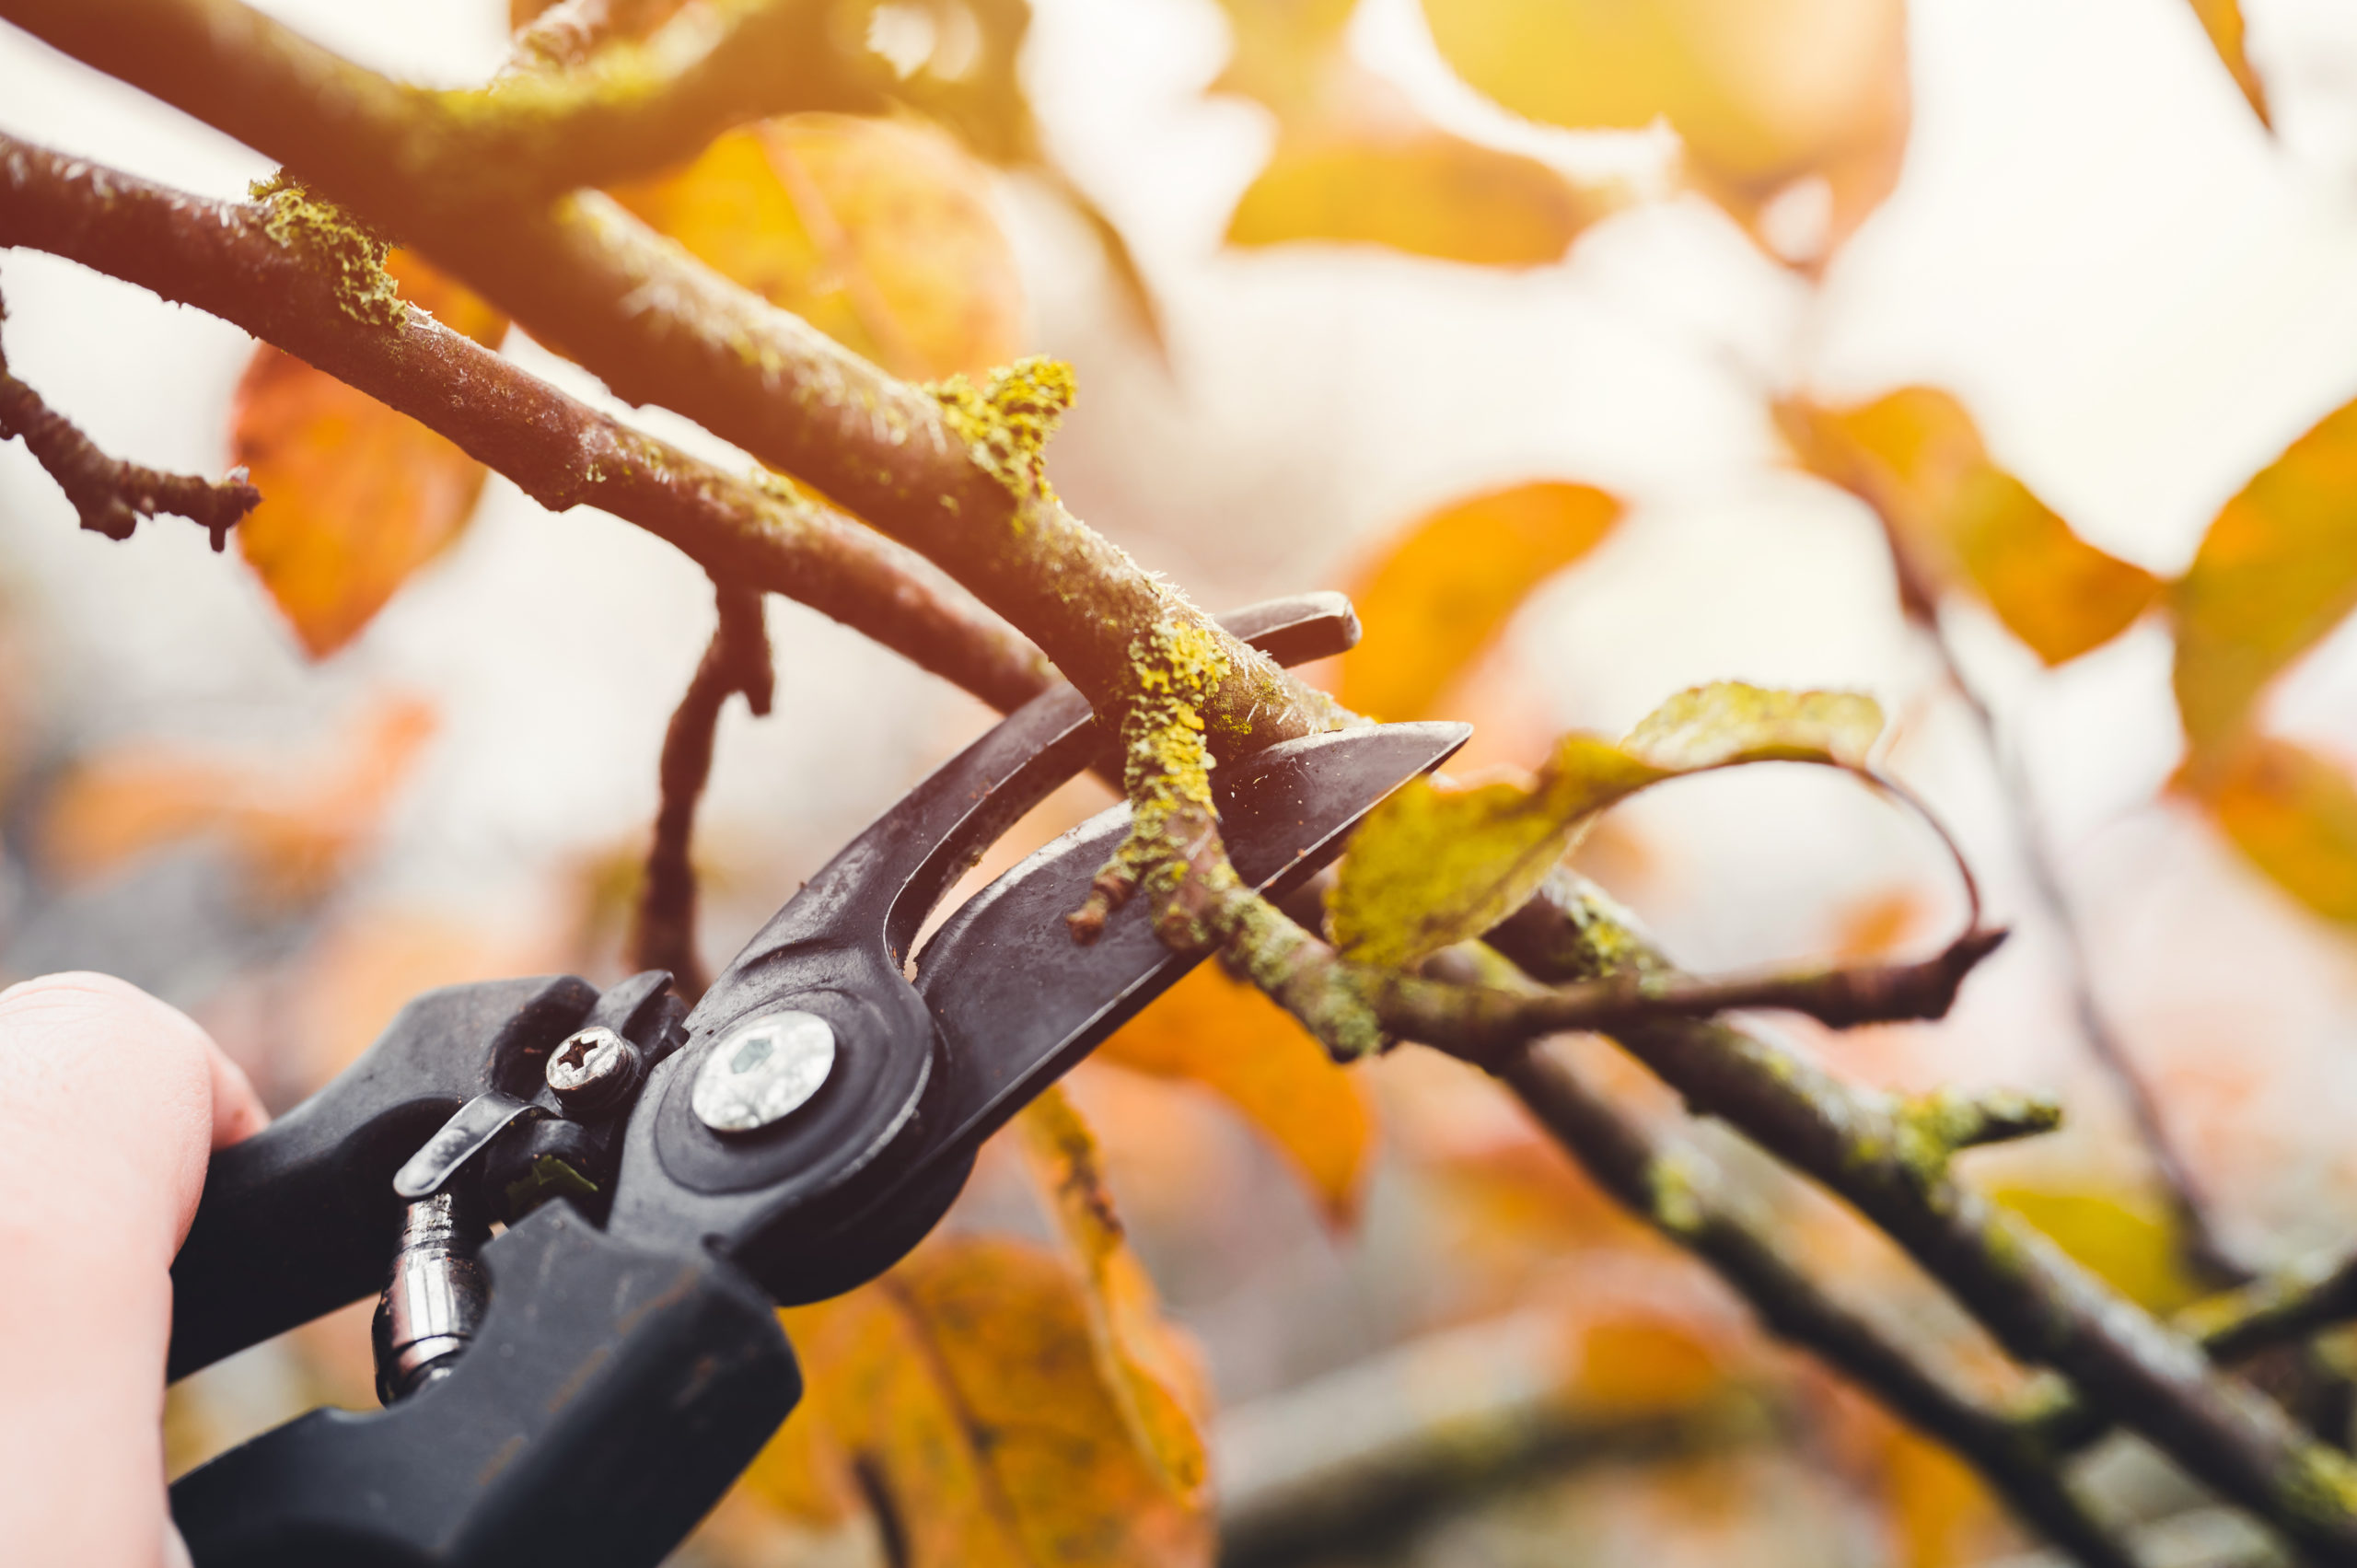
[[582, 1386]]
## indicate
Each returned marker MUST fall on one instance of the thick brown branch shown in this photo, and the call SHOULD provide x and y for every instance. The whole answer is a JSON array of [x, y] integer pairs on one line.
[[737, 660], [111, 495], [222, 258], [2042, 1306], [634, 108], [1680, 1191], [942, 470]]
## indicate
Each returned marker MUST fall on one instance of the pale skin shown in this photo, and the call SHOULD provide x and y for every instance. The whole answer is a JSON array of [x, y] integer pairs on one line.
[[110, 1103]]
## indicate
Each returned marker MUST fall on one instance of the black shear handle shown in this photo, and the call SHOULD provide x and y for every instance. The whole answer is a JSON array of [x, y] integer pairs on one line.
[[632, 1384], [300, 1219]]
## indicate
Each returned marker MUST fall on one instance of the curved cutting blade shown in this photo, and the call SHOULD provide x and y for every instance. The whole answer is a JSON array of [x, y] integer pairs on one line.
[[1019, 1002]]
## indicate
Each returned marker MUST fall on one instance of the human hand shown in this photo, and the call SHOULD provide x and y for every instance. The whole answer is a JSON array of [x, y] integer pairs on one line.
[[110, 1103]]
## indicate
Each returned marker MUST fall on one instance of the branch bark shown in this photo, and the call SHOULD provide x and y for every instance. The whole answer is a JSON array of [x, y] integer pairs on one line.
[[737, 660], [1673, 1186], [767, 535]]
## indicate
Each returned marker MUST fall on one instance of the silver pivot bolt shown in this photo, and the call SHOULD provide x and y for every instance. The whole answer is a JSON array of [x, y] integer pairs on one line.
[[763, 1070], [592, 1069]]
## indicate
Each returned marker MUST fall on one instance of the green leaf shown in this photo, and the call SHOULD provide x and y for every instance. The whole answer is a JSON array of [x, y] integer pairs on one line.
[[1438, 864]]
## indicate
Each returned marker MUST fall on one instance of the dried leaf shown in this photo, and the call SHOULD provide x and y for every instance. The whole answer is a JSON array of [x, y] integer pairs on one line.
[[1917, 459], [2293, 813], [878, 232], [1442, 593], [1221, 1033], [1356, 164], [2277, 571], [1763, 93], [1155, 1374], [294, 826], [964, 1392], [355, 498], [1437, 864], [2222, 20]]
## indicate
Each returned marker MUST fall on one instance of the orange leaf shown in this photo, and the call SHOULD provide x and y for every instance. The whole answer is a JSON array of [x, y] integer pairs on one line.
[[2293, 813], [2277, 570], [878, 232], [963, 1390], [1155, 1372], [1443, 591], [1917, 459], [1431, 194], [2222, 20], [1226, 1035], [1355, 163], [294, 828], [1763, 93]]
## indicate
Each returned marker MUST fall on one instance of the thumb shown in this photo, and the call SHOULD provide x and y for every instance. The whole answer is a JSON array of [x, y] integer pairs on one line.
[[109, 1103]]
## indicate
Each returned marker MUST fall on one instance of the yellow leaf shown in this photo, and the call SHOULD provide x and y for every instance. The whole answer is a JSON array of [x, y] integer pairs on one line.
[[1727, 723], [1223, 1034], [1762, 93], [2222, 20], [2124, 1244], [878, 233], [2293, 813], [2277, 571], [1441, 593], [964, 1391], [1155, 1372], [294, 824], [1917, 459], [1436, 863]]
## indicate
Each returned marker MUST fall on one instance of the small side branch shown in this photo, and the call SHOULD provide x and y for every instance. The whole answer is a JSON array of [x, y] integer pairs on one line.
[[737, 661], [111, 495]]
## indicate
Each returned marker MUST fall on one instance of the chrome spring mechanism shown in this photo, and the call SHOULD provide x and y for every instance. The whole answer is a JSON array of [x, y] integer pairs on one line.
[[435, 1299]]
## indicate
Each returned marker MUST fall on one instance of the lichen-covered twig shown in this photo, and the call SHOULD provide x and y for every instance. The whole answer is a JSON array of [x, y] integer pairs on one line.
[[108, 494], [737, 660], [2044, 1308], [2291, 1303], [1678, 1189], [768, 537]]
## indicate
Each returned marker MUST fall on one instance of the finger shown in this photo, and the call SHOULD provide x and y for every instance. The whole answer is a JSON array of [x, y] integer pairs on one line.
[[237, 1112], [107, 1113]]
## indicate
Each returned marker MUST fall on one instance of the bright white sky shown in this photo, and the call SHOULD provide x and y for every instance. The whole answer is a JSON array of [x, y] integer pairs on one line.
[[2141, 295]]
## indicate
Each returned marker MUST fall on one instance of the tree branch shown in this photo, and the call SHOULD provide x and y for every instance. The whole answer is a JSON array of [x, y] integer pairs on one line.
[[2042, 1306], [737, 660], [951, 470], [1679, 1191], [111, 495], [765, 537]]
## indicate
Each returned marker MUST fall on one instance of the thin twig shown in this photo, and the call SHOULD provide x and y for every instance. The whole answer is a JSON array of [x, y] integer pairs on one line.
[[2205, 1253], [737, 660], [108, 494]]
